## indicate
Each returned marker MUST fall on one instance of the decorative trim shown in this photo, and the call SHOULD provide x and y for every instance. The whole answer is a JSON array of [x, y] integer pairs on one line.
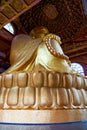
[[43, 90], [48, 39]]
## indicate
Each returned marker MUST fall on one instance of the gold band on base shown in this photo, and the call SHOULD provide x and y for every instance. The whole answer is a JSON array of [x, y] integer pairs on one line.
[[42, 116]]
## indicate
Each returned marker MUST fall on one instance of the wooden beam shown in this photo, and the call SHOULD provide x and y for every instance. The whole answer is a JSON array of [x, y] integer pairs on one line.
[[77, 54], [6, 35], [14, 11], [78, 60], [76, 49]]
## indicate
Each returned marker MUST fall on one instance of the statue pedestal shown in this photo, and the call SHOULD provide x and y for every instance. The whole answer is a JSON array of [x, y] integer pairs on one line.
[[43, 119]]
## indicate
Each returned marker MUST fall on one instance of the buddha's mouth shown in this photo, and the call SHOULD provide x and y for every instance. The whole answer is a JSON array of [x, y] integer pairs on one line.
[[42, 90]]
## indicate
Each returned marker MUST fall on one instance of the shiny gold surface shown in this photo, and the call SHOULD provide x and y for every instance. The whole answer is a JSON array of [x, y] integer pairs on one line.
[[29, 52], [40, 76], [40, 82], [42, 90], [42, 116]]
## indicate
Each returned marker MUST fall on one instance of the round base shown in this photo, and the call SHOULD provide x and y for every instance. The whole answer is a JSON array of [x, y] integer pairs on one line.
[[43, 119], [42, 116]]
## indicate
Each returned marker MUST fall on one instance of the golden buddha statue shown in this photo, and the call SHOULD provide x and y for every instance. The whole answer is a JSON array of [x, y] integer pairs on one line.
[[41, 78], [39, 49]]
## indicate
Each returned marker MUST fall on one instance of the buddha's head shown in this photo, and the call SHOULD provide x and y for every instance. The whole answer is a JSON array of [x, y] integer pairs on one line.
[[39, 31]]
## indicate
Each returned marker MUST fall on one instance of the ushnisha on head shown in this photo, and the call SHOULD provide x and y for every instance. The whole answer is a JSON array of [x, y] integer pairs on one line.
[[39, 31]]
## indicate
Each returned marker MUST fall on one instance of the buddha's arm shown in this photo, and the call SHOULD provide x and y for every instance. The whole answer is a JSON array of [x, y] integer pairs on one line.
[[51, 56]]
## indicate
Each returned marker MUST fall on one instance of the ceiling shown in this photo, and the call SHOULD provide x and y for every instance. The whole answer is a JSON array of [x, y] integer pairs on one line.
[[62, 17], [66, 18]]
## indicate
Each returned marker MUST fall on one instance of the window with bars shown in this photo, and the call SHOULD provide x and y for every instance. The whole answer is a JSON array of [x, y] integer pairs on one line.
[[78, 67]]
